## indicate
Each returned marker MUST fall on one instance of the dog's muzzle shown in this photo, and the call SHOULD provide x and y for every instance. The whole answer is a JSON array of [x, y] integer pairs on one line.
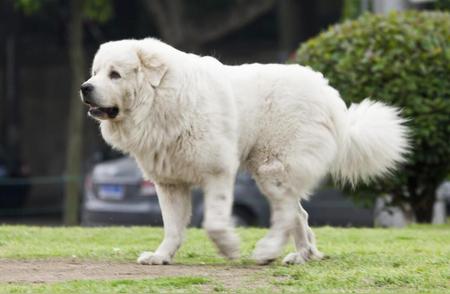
[[95, 110]]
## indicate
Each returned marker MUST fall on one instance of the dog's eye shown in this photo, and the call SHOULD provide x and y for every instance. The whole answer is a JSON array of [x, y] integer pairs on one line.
[[114, 75]]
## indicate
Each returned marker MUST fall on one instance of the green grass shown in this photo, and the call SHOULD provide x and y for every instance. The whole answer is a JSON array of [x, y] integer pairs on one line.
[[411, 260], [158, 285]]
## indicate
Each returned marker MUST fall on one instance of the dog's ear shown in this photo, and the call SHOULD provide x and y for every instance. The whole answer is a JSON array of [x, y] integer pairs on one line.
[[155, 67]]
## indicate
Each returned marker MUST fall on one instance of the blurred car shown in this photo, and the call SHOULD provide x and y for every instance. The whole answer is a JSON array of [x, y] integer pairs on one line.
[[117, 194], [14, 182]]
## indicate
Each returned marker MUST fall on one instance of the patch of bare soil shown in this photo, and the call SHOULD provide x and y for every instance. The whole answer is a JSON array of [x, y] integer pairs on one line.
[[46, 271]]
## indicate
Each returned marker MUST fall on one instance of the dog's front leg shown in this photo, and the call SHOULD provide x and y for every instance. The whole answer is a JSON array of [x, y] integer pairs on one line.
[[217, 218], [175, 203]]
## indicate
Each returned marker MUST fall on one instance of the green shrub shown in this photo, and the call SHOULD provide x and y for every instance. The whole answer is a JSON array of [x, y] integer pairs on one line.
[[351, 9], [402, 59]]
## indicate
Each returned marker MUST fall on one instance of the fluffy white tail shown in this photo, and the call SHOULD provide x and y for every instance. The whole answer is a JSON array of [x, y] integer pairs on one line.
[[373, 142]]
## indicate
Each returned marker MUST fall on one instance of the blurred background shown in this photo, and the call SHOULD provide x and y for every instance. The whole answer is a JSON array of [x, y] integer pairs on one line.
[[55, 168]]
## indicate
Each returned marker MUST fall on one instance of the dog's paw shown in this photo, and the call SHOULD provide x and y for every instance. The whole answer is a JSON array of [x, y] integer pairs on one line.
[[262, 257], [230, 250], [302, 256], [267, 250], [227, 242], [316, 254], [232, 253], [296, 258], [150, 258]]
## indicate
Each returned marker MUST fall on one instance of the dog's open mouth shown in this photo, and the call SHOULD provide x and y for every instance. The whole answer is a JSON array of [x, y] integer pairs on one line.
[[103, 112]]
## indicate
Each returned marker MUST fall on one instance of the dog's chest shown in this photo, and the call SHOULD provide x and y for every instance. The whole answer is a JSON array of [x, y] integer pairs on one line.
[[179, 157], [169, 165]]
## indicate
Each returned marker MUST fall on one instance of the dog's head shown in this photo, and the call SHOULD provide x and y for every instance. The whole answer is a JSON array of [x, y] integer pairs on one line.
[[125, 74]]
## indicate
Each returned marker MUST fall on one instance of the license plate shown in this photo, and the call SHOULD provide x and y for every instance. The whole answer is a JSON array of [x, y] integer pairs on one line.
[[111, 192]]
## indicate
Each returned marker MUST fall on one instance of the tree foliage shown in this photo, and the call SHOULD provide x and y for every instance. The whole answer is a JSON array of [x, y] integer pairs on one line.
[[402, 59], [351, 9], [98, 10], [442, 4], [191, 23]]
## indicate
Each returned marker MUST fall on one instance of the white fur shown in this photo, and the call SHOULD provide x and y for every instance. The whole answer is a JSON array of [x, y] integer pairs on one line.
[[192, 121]]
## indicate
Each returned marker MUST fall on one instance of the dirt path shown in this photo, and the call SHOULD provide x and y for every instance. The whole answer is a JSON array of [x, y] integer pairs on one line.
[[46, 271]]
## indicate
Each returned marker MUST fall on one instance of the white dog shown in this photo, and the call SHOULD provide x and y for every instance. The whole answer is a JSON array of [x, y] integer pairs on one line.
[[193, 121]]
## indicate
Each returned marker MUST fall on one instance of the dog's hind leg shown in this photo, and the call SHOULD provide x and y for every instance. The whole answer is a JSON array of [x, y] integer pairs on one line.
[[284, 186], [271, 179], [305, 241], [285, 175], [175, 203], [217, 218]]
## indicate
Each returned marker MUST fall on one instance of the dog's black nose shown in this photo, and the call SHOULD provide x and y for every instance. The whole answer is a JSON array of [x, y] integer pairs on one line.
[[86, 89]]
